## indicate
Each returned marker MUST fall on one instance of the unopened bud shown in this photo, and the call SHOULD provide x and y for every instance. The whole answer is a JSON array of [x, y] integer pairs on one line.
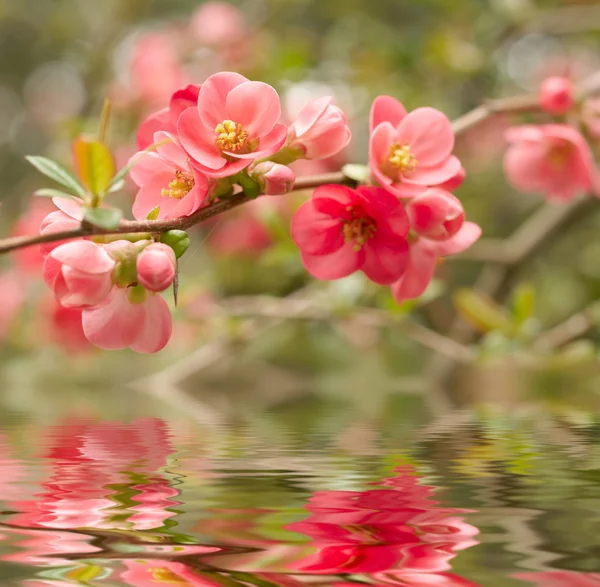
[[557, 95], [274, 179], [156, 267]]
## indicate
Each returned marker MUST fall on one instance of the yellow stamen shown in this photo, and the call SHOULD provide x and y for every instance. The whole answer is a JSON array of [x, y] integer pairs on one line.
[[403, 159], [232, 137], [167, 577], [358, 230], [179, 187]]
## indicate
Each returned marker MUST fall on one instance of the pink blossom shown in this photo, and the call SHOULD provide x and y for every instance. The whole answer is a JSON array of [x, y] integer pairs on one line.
[[119, 323], [80, 273], [424, 255], [68, 217], [274, 179], [235, 123], [156, 267], [167, 180], [409, 152], [29, 259], [218, 24], [553, 159], [557, 95], [166, 119], [435, 214], [341, 230], [456, 181], [560, 578], [321, 130]]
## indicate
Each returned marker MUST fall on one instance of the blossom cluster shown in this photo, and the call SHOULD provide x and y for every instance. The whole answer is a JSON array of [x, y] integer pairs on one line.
[[395, 230]]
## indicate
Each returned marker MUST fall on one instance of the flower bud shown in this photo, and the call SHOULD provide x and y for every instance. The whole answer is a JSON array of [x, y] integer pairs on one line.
[[321, 129], [125, 255], [156, 267], [274, 179], [435, 214], [557, 95]]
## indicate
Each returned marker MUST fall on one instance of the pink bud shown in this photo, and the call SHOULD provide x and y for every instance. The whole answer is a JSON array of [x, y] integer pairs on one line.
[[321, 129], [557, 95], [435, 214], [454, 182], [156, 267], [274, 179]]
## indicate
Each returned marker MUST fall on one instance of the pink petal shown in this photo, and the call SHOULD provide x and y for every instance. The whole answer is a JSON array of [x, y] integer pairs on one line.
[[526, 132], [212, 98], [310, 114], [199, 141], [524, 166], [71, 208], [429, 134], [314, 232], [385, 260], [333, 199], [85, 256], [382, 138], [336, 265], [150, 195], [268, 144], [418, 274], [468, 234], [386, 209], [157, 326], [181, 100], [160, 120], [171, 150], [254, 105], [437, 174], [386, 109], [147, 165], [230, 168], [116, 324], [83, 289]]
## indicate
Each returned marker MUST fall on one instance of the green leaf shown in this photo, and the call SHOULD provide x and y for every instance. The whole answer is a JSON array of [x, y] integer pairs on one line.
[[523, 303], [95, 165], [357, 172], [482, 313], [116, 186], [52, 193], [153, 214], [57, 172], [107, 218], [178, 240]]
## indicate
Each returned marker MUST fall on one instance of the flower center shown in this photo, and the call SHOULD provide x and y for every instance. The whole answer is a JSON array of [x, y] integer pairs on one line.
[[560, 153], [179, 187], [232, 137], [358, 229], [402, 158], [167, 577]]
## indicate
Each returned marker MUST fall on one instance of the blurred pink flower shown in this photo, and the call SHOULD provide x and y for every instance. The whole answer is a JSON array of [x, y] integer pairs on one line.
[[321, 130], [218, 24], [409, 152], [144, 326], [80, 273], [424, 255], [235, 123], [167, 181], [560, 578], [341, 230], [68, 217], [156, 267], [435, 214], [553, 159], [29, 260], [557, 95], [64, 325]]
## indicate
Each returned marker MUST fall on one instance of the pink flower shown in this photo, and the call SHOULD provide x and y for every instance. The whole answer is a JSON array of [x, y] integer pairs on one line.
[[166, 119], [68, 217], [553, 159], [141, 573], [119, 323], [557, 95], [561, 578], [409, 152], [80, 273], [274, 179], [321, 130], [167, 180], [219, 24], [235, 123], [156, 267], [424, 255], [435, 214], [455, 181], [341, 230]]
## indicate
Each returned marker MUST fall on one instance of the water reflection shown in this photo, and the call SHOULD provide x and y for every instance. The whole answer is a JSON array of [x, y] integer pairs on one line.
[[146, 504]]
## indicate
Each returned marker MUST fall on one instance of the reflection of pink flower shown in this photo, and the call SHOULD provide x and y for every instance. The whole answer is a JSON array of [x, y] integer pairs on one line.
[[424, 256], [409, 152], [11, 471], [561, 578], [148, 573], [235, 123], [553, 159], [395, 527], [341, 230], [121, 322]]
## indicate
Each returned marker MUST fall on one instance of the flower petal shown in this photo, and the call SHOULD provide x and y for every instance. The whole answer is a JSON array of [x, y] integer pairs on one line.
[[85, 256], [336, 265], [315, 232], [386, 259], [157, 326], [199, 141], [212, 98], [254, 105], [386, 109]]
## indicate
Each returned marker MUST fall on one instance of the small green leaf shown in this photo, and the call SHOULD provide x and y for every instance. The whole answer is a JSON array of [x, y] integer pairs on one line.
[[178, 240], [52, 193], [482, 313], [57, 172], [107, 218], [95, 165], [153, 214], [116, 186], [523, 303], [357, 172]]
